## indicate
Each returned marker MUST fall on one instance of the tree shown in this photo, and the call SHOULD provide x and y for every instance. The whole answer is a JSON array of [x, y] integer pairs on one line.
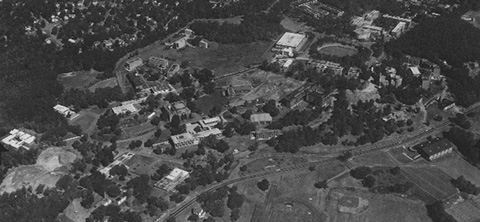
[[175, 123], [271, 108], [235, 200], [171, 219], [221, 146], [87, 199], [243, 168], [321, 184], [113, 191], [155, 121], [235, 215], [360, 173], [148, 143], [263, 185], [253, 147], [215, 111], [141, 187], [158, 133], [345, 156]]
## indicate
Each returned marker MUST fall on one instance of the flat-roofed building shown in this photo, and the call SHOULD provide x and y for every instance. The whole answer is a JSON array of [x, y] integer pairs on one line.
[[415, 71], [180, 109], [261, 118], [65, 111], [399, 29], [291, 40], [436, 149], [132, 108], [18, 138], [133, 63], [169, 182], [192, 139]]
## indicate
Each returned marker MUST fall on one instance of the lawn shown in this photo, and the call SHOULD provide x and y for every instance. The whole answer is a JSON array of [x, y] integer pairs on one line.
[[139, 130], [376, 158], [85, 121], [139, 164], [465, 212], [79, 80], [221, 58], [456, 166], [431, 180], [337, 50], [111, 82], [291, 211]]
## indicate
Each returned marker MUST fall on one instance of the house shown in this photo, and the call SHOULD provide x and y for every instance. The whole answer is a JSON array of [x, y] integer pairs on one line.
[[169, 182], [65, 111], [163, 88], [436, 149], [323, 66], [17, 138], [415, 71], [132, 64], [264, 134], [291, 40], [180, 109], [261, 118], [159, 63], [203, 44], [174, 69]]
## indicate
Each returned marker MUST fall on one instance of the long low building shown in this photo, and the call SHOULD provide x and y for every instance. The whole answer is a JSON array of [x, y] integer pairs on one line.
[[169, 182], [436, 149], [192, 139]]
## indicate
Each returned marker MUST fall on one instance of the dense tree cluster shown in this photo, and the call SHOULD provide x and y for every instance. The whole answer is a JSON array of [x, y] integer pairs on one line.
[[214, 202], [464, 87], [436, 211], [108, 124], [141, 187], [82, 99], [263, 185], [466, 144], [465, 186], [395, 184], [296, 117], [445, 38], [113, 213]]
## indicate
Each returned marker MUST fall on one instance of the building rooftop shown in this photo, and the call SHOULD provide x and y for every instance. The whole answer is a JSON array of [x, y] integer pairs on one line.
[[176, 174], [181, 138], [415, 70], [437, 147], [261, 117], [290, 39], [18, 139], [203, 134], [125, 108]]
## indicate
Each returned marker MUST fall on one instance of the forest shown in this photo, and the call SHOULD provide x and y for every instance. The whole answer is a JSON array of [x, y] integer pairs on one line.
[[446, 38]]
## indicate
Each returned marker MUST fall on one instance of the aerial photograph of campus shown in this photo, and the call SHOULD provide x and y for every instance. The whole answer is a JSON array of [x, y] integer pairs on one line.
[[240, 110]]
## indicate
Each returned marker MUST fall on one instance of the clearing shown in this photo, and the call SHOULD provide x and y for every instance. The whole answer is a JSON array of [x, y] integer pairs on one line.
[[456, 166], [79, 79], [48, 169], [221, 58], [431, 181], [337, 49], [111, 82], [86, 121], [465, 211]]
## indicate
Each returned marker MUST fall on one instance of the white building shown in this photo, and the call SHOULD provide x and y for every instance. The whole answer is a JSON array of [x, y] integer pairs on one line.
[[261, 118], [211, 122], [193, 138], [399, 29], [132, 64], [291, 40], [125, 108], [169, 182], [17, 139], [65, 111]]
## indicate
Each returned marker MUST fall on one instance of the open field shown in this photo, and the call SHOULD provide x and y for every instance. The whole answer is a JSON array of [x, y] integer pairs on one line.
[[85, 120], [111, 82], [465, 211], [381, 208], [338, 50], [293, 26], [291, 210], [432, 181], [456, 166], [400, 153], [80, 79], [221, 58], [373, 159], [140, 164]]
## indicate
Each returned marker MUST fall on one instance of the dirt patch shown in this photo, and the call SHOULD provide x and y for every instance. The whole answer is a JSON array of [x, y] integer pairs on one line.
[[51, 164]]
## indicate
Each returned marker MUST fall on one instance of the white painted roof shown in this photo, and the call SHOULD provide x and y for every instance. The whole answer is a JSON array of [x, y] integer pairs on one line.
[[177, 173], [290, 39], [125, 108]]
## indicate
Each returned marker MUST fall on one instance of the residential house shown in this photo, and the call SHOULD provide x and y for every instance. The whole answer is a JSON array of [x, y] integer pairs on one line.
[[261, 118], [18, 138], [65, 111]]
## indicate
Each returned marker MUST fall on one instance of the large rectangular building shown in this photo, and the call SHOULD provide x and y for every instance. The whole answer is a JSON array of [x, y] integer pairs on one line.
[[436, 149], [169, 182], [291, 40], [17, 139]]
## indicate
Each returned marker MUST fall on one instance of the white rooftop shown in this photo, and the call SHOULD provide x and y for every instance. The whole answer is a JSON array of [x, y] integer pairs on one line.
[[260, 117], [213, 131], [290, 39], [18, 139], [414, 70], [177, 173], [181, 138], [125, 108]]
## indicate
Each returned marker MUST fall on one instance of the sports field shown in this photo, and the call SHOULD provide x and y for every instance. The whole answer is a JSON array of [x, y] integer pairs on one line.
[[85, 121], [338, 50], [456, 166], [80, 79], [465, 212], [432, 182]]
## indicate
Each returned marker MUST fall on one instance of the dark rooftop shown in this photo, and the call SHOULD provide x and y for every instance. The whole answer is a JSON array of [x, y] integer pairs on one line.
[[437, 147]]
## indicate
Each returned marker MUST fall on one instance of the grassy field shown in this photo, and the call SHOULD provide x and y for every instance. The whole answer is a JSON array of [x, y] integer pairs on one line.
[[293, 25], [456, 166], [465, 212], [221, 58], [373, 159], [291, 211], [337, 50], [85, 120], [80, 79], [140, 164], [138, 130], [432, 181], [111, 82]]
